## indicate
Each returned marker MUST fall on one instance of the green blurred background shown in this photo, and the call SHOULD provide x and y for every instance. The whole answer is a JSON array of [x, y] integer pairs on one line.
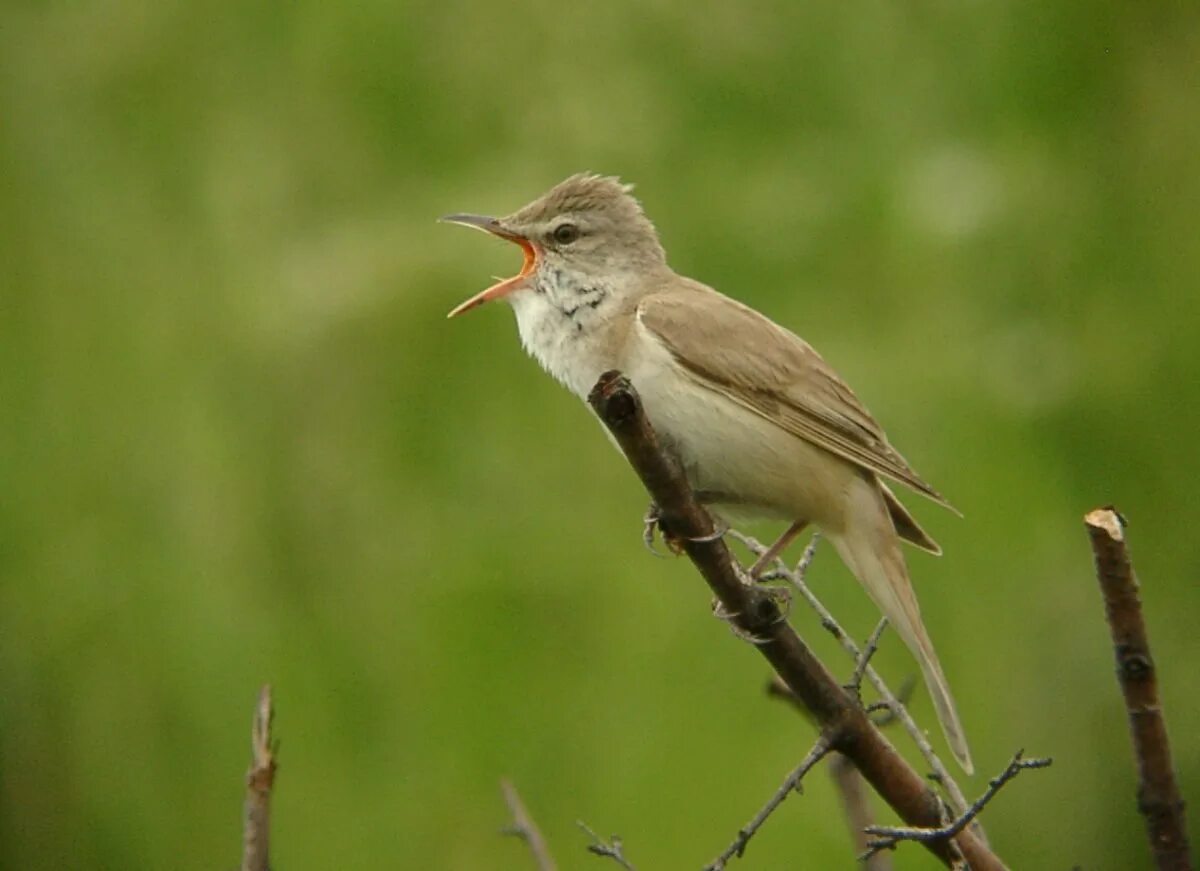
[[241, 443]]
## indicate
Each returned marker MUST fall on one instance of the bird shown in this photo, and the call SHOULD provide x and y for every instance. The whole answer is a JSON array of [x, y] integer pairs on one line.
[[763, 427]]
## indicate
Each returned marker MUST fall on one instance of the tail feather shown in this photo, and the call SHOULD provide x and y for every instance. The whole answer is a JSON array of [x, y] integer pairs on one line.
[[869, 547]]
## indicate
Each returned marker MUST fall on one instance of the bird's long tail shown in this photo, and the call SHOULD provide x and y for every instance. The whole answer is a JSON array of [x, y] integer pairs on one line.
[[869, 547]]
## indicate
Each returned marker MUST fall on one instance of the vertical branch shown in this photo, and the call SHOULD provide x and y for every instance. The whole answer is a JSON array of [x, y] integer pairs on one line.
[[858, 812], [1159, 800], [256, 811], [525, 828]]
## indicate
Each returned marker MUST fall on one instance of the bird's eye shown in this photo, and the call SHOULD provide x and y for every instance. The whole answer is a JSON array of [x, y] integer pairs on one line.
[[565, 234]]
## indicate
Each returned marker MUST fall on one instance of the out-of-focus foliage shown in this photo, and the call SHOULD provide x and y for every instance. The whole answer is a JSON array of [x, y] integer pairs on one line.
[[240, 442]]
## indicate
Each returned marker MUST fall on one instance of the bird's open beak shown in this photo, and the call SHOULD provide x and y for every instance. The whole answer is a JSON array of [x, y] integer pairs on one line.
[[508, 285]]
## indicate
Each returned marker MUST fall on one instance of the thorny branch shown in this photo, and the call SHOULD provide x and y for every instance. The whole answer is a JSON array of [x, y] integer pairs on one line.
[[1159, 799], [613, 848], [890, 836], [525, 828], [756, 613], [256, 810], [796, 578]]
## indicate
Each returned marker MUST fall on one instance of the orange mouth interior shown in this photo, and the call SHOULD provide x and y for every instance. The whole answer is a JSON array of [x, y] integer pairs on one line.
[[530, 261]]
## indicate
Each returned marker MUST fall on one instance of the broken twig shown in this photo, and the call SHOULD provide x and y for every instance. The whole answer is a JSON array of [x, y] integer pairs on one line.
[[1158, 796], [256, 810], [613, 848]]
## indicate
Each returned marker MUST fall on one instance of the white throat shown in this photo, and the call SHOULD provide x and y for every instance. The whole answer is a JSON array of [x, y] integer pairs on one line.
[[565, 324]]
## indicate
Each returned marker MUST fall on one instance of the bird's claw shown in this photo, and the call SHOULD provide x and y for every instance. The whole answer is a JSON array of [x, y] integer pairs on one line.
[[722, 613], [716, 535], [651, 522]]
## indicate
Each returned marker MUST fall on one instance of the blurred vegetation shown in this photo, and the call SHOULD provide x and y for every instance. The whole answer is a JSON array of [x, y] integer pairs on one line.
[[240, 442]]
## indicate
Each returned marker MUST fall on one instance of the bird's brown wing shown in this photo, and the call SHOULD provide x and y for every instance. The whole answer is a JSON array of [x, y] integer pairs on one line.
[[734, 350]]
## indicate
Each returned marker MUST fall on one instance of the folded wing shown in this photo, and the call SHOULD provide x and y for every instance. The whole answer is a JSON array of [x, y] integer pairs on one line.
[[776, 374]]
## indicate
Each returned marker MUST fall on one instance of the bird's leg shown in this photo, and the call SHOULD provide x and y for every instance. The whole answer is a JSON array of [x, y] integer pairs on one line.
[[777, 548]]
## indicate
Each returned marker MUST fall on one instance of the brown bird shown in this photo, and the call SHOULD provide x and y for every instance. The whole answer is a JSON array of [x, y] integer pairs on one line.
[[762, 425]]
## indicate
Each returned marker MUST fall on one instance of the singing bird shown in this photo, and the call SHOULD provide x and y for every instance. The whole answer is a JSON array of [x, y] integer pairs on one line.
[[762, 425]]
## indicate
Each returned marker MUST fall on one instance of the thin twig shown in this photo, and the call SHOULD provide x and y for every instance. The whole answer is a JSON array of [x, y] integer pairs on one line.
[[796, 577], [889, 836], [806, 557], [757, 614], [525, 828], [882, 714], [613, 848], [738, 846], [1159, 799], [864, 658], [845, 776], [256, 809]]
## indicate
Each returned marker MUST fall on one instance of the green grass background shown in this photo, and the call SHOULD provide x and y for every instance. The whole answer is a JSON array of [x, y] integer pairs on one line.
[[240, 442]]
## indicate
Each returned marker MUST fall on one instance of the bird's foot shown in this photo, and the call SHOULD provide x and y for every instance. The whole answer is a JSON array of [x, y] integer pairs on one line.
[[730, 617], [783, 603]]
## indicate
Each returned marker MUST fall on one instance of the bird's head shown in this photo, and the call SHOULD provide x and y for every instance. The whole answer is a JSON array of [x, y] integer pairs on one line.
[[586, 228]]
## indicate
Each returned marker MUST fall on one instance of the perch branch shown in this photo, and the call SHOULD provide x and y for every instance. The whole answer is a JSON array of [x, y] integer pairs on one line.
[[256, 809], [611, 849], [756, 613], [1159, 799], [738, 847], [525, 828], [890, 836]]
